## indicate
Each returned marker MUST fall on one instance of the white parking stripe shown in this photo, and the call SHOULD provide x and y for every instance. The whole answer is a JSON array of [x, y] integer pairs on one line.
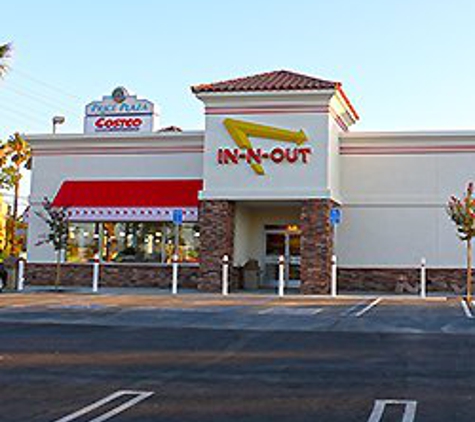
[[350, 310], [139, 396], [380, 405], [290, 311], [466, 309], [367, 308]]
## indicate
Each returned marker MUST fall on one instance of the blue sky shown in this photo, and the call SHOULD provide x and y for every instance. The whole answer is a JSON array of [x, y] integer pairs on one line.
[[406, 65]]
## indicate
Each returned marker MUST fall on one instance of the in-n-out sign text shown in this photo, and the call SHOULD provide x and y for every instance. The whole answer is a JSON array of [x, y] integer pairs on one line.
[[242, 132], [258, 156]]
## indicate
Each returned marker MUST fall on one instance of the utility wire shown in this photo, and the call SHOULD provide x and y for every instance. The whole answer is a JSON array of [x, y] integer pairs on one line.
[[35, 98], [25, 75], [27, 108], [14, 86], [20, 114]]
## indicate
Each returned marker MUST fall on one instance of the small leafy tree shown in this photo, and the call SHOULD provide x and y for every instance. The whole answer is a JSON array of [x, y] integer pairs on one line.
[[15, 157], [5, 50], [462, 213], [57, 220]]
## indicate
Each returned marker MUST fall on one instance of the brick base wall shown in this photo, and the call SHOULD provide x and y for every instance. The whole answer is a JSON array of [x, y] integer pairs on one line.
[[216, 240], [400, 280], [316, 246], [120, 275], [350, 280]]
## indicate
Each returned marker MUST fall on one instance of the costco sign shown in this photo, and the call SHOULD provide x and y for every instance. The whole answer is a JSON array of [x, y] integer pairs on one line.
[[119, 112]]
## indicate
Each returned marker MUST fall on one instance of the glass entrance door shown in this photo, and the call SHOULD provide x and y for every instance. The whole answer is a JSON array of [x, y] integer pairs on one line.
[[286, 242]]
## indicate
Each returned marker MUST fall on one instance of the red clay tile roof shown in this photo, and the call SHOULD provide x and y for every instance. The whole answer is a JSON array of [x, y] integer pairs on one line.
[[279, 80]]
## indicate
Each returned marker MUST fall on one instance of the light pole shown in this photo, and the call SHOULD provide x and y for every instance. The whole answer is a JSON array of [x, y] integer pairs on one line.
[[57, 120]]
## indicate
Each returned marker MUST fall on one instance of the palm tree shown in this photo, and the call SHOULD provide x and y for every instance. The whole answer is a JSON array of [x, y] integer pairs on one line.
[[15, 155], [5, 50]]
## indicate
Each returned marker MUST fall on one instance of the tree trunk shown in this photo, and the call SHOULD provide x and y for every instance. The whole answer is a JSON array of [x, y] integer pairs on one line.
[[58, 270], [469, 272]]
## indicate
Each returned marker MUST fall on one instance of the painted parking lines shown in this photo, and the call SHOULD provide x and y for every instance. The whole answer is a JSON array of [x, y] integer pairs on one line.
[[137, 396], [361, 308], [466, 309], [352, 309], [379, 407], [367, 308], [290, 311]]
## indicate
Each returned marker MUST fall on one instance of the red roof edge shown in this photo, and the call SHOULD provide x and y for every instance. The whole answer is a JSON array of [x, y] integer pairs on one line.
[[347, 101]]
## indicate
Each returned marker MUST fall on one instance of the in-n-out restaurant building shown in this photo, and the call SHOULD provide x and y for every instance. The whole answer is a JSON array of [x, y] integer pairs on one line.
[[264, 179]]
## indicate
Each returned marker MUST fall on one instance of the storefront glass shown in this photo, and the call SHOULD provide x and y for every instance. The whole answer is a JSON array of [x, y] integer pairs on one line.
[[148, 242], [188, 242], [83, 242]]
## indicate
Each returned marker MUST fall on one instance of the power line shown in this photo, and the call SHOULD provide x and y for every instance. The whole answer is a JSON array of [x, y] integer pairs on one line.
[[31, 110], [17, 113], [35, 98], [45, 84], [13, 86]]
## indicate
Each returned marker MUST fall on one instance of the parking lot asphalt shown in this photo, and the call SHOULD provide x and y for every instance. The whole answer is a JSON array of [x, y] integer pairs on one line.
[[69, 358], [244, 312]]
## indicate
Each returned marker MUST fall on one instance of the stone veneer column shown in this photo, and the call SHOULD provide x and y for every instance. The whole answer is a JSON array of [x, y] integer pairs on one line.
[[216, 220], [316, 246]]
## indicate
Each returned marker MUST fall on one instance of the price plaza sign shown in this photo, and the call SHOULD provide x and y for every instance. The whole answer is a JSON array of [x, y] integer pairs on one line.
[[119, 112]]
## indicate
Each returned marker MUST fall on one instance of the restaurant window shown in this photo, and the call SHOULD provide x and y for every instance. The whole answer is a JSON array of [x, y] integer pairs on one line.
[[146, 242], [83, 242], [188, 242]]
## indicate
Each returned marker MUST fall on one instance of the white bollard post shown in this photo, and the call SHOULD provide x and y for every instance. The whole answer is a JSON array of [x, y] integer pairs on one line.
[[334, 289], [225, 275], [281, 275], [423, 279], [95, 274], [21, 275], [175, 274]]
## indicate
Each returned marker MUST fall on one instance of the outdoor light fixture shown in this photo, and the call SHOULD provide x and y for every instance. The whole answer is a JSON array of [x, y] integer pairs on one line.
[[57, 120]]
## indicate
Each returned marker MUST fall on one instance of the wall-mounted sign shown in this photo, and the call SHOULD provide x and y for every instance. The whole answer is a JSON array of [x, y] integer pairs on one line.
[[119, 112], [335, 216], [242, 132], [178, 217]]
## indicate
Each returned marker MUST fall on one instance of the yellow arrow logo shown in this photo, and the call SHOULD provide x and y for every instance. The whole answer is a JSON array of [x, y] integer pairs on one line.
[[240, 131]]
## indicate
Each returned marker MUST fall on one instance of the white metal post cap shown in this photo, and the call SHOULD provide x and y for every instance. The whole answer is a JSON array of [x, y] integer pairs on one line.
[[225, 259]]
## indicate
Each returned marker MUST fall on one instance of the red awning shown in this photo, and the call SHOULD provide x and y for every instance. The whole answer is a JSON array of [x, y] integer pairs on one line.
[[128, 193]]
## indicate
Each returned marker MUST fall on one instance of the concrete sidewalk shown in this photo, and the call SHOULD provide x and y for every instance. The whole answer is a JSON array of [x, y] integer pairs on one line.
[[187, 298]]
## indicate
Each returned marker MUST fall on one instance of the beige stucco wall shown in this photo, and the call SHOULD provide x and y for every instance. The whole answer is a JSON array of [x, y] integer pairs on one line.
[[393, 203], [60, 158]]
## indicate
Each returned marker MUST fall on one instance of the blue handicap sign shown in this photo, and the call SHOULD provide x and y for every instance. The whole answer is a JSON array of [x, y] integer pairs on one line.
[[178, 217], [335, 216]]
